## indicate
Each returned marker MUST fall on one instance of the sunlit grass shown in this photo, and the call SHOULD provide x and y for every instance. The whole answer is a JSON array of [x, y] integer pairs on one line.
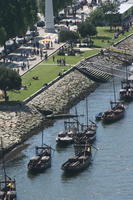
[[49, 70], [46, 72], [105, 37]]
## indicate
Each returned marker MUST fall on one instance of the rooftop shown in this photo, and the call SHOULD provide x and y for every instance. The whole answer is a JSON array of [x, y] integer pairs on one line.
[[125, 5]]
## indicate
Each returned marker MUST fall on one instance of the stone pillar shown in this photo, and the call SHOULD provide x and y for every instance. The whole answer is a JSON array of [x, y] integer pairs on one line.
[[49, 17]]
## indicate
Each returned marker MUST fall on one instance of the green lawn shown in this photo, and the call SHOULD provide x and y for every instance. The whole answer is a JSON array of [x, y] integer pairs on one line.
[[46, 72], [104, 38], [49, 70]]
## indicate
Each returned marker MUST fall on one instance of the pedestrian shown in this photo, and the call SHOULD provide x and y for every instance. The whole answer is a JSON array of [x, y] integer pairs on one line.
[[41, 54], [64, 62], [46, 56], [37, 52], [53, 58], [51, 44]]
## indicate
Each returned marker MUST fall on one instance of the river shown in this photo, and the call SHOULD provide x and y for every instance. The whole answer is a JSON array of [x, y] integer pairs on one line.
[[109, 177]]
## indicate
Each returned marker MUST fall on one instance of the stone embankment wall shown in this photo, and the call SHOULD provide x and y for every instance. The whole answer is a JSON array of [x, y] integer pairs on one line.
[[18, 122], [126, 45], [64, 93]]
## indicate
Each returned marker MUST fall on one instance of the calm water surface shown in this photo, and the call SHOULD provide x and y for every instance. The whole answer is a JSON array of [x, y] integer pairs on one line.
[[110, 176]]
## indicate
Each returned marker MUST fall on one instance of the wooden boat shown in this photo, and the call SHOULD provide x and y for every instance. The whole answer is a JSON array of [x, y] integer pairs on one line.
[[116, 113], [66, 137], [7, 184], [41, 160], [88, 131], [8, 189], [87, 135], [78, 162], [126, 91]]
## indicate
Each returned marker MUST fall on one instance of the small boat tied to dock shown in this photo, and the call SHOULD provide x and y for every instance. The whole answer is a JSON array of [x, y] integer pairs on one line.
[[78, 162], [116, 113], [87, 134], [66, 137], [126, 91], [7, 184], [42, 158]]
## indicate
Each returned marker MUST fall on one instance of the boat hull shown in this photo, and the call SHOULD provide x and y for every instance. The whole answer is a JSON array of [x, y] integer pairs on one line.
[[78, 168], [63, 142], [109, 119], [126, 98], [37, 169]]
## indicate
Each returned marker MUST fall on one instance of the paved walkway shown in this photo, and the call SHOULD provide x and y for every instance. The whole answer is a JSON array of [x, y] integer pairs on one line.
[[29, 55]]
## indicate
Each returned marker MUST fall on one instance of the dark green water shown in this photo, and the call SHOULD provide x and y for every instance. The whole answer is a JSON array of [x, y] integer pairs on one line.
[[109, 177]]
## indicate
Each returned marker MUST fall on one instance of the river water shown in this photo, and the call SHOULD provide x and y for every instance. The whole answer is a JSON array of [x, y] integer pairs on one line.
[[109, 177]]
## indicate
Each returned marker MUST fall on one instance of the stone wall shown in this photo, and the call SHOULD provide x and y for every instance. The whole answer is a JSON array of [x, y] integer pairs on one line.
[[19, 121]]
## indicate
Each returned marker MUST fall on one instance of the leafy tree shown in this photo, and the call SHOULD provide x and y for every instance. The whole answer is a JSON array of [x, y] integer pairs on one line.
[[86, 29], [110, 9], [97, 17], [70, 36], [106, 14], [9, 80], [109, 6], [3, 36], [17, 15], [58, 5]]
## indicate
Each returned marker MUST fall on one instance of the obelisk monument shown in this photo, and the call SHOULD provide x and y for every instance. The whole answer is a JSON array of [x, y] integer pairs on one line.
[[49, 17]]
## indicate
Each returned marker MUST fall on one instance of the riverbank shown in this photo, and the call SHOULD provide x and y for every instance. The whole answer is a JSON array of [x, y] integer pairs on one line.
[[19, 121]]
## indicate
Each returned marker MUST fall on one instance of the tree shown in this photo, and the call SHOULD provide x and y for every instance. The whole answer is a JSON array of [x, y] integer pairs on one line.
[[9, 80], [86, 29], [17, 16], [106, 14], [58, 5], [70, 36], [97, 17], [3, 36], [110, 9]]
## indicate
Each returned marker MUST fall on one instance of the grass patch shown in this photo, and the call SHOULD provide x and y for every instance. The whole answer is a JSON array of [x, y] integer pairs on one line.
[[49, 70], [104, 38], [46, 72]]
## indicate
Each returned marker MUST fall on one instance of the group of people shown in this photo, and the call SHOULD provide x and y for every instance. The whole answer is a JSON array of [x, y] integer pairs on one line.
[[125, 28], [61, 62]]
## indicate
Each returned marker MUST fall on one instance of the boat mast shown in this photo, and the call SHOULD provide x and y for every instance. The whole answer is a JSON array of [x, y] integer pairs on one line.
[[87, 119], [76, 112], [114, 86], [69, 109], [42, 138], [3, 162], [126, 65]]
